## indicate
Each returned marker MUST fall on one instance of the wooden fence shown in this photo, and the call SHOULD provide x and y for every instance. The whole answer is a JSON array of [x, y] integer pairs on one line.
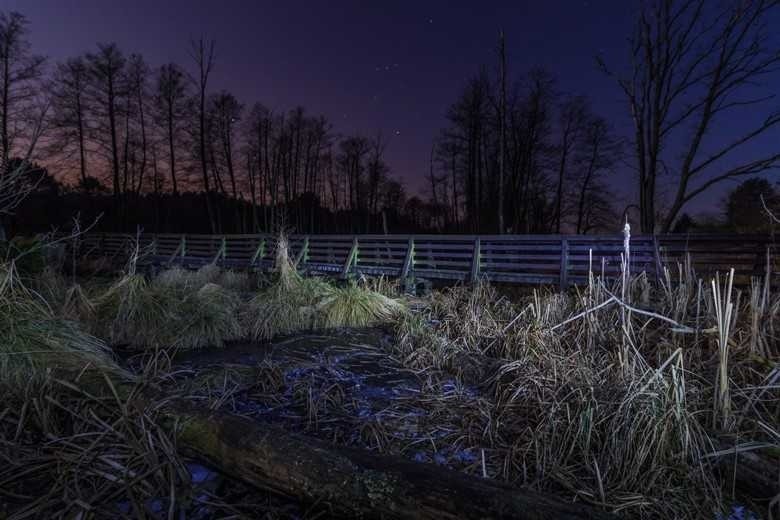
[[521, 259]]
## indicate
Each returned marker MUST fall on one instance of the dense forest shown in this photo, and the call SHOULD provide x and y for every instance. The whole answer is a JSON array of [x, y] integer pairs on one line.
[[107, 134]]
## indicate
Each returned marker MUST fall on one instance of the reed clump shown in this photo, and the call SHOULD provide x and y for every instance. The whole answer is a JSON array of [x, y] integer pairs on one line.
[[289, 304], [295, 303], [179, 311], [178, 278], [618, 396]]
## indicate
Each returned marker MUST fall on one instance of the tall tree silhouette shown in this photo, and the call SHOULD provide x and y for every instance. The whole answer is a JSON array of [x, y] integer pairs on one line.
[[571, 123], [203, 55], [20, 72], [171, 103], [694, 64], [107, 88], [69, 124]]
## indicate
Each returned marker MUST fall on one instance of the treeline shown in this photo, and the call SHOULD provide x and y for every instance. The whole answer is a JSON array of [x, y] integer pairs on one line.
[[153, 138], [173, 156], [53, 204], [518, 153]]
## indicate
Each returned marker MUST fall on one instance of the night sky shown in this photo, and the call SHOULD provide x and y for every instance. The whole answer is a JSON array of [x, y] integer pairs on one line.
[[392, 69]]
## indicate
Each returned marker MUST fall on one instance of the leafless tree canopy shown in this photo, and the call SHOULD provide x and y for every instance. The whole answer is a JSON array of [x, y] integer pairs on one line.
[[694, 65]]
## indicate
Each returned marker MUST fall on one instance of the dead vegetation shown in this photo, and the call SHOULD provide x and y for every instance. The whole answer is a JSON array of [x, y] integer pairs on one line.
[[68, 453], [652, 399], [619, 396]]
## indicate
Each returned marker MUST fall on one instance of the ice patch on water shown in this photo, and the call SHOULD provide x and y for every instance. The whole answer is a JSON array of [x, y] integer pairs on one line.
[[200, 474], [738, 512]]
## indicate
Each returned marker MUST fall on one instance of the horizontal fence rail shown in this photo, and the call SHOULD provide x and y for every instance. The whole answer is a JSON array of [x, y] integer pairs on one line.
[[521, 259]]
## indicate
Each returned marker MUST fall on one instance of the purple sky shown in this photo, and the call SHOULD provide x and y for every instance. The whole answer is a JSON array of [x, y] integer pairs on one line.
[[393, 68]]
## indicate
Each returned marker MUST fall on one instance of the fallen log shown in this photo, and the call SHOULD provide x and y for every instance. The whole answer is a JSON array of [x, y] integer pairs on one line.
[[353, 482], [755, 474], [349, 482]]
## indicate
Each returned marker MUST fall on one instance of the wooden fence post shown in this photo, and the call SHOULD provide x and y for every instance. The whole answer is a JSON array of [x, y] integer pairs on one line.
[[475, 260], [564, 264], [408, 260], [659, 269], [351, 258], [221, 252], [259, 253], [303, 254], [183, 246]]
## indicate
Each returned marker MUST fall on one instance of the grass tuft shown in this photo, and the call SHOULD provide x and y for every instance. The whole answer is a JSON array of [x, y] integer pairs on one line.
[[131, 312], [354, 306], [35, 340], [208, 317]]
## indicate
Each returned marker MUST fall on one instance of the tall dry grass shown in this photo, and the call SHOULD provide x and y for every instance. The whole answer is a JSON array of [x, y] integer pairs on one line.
[[34, 340], [69, 451], [619, 393], [624, 393]]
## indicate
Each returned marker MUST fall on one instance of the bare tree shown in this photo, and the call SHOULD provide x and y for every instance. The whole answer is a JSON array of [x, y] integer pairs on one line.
[[171, 105], [203, 55], [502, 131], [572, 119], [20, 74], [530, 128], [597, 154], [467, 135], [257, 127], [68, 124], [21, 177], [225, 115], [138, 78], [107, 88], [225, 111], [351, 161], [694, 63], [376, 174], [433, 179]]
